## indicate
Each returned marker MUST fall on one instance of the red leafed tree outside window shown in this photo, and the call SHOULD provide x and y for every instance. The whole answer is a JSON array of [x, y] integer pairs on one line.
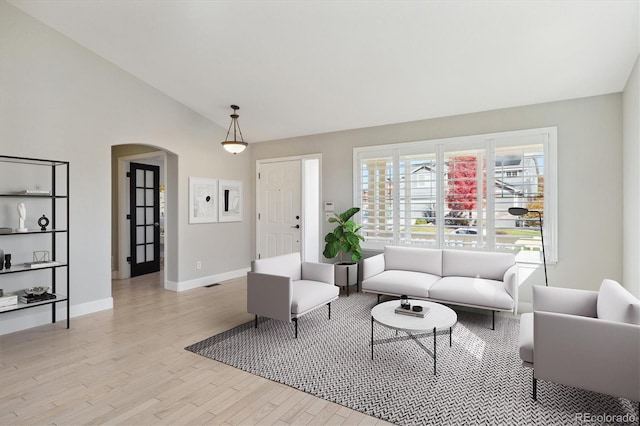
[[462, 185]]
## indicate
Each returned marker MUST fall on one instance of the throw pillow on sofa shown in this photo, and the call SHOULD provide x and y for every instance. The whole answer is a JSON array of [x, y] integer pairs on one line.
[[615, 303]]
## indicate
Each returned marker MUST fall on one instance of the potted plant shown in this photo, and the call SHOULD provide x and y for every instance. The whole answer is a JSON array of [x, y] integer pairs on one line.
[[343, 241]]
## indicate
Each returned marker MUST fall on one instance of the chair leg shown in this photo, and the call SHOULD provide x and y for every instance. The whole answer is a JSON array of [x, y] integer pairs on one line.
[[329, 305], [378, 299], [535, 388], [295, 320], [493, 320], [255, 321]]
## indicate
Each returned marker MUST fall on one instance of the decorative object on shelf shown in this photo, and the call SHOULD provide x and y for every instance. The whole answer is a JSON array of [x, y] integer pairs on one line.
[[7, 260], [41, 259], [1, 292], [230, 202], [521, 211], [37, 291], [234, 146], [1, 261], [22, 214], [203, 196], [43, 222], [41, 256]]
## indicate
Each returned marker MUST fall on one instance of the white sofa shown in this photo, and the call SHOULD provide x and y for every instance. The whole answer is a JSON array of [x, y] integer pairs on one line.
[[484, 280], [586, 339], [285, 288]]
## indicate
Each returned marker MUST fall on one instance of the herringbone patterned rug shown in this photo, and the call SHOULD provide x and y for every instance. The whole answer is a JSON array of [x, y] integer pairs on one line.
[[479, 379]]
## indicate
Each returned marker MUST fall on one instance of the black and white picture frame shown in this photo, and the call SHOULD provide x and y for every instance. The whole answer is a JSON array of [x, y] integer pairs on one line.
[[230, 201], [203, 200]]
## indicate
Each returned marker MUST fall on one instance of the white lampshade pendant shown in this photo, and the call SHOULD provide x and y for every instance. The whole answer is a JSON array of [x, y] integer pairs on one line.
[[234, 146]]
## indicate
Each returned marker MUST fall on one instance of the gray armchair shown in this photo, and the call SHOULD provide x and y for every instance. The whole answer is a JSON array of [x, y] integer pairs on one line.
[[586, 339], [285, 288]]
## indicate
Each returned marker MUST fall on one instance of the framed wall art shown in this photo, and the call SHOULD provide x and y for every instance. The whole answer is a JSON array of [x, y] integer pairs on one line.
[[230, 201], [203, 200]]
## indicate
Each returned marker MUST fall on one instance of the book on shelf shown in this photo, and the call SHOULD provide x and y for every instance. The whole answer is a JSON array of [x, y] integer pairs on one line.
[[8, 307], [411, 313], [33, 298], [35, 192], [9, 299], [34, 265]]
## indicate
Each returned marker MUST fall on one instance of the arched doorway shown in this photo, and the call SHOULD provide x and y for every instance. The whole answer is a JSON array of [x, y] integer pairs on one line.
[[147, 156]]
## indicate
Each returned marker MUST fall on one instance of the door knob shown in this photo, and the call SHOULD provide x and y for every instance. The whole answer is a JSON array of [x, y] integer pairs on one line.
[[297, 226]]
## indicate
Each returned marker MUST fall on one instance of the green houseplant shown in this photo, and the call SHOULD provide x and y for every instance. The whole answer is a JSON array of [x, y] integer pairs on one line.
[[343, 241]]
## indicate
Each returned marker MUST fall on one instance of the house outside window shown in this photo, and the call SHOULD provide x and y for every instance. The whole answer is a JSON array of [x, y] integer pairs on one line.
[[455, 193]]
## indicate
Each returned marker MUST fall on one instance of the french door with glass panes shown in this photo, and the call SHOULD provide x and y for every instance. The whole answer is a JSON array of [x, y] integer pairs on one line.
[[144, 218]]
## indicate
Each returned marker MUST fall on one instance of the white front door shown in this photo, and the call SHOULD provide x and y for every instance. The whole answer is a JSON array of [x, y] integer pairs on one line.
[[279, 215]]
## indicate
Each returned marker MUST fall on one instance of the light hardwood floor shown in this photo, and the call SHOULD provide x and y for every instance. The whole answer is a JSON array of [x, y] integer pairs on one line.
[[129, 366]]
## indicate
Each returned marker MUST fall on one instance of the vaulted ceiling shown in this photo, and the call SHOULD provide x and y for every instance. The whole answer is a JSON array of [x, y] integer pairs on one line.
[[305, 67]]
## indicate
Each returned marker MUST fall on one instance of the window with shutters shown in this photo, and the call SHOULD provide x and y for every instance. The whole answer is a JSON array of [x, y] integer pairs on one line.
[[455, 193], [375, 197]]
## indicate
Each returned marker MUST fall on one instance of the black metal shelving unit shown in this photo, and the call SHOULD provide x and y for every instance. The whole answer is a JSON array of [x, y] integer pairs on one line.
[[54, 232]]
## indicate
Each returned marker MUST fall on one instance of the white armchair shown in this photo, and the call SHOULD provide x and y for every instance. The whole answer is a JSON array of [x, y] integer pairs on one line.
[[285, 288], [586, 339]]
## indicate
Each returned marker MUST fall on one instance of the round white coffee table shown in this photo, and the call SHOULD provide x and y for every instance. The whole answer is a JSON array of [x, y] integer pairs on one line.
[[439, 317]]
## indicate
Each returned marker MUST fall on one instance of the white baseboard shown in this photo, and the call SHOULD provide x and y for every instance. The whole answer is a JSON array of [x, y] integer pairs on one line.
[[11, 322], [91, 307], [204, 281]]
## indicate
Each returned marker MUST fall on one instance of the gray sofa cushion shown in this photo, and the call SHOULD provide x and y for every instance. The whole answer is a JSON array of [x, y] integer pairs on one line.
[[615, 303], [286, 265], [413, 259], [472, 291], [310, 294], [412, 283], [491, 266]]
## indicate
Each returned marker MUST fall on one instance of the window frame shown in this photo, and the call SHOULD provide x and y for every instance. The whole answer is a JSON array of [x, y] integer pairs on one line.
[[488, 143]]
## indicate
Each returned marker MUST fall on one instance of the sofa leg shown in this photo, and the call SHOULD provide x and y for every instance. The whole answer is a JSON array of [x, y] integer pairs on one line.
[[535, 388], [255, 322], [329, 305], [295, 320], [493, 320]]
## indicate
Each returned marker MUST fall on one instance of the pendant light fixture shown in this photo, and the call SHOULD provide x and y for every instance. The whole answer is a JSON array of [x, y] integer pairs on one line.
[[234, 146]]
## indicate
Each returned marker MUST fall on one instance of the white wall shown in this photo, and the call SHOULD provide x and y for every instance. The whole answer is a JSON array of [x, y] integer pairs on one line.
[[589, 175], [631, 181], [58, 100]]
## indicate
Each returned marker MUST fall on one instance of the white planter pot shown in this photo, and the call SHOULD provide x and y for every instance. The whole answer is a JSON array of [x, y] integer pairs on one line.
[[346, 274]]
